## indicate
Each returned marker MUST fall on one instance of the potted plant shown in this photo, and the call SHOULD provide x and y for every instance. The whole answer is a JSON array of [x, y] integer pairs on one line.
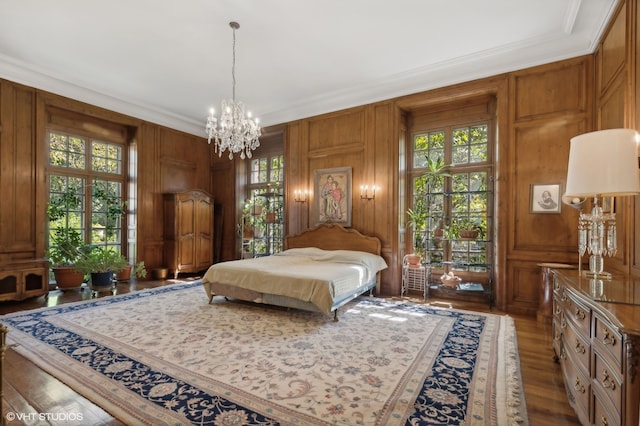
[[137, 271], [417, 222], [114, 208], [66, 248], [101, 263], [66, 244], [469, 230], [419, 219]]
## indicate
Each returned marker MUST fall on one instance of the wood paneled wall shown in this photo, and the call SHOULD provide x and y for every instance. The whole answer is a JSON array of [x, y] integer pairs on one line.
[[538, 110]]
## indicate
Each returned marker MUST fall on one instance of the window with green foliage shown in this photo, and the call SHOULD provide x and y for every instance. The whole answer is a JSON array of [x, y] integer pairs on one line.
[[451, 190], [86, 182], [264, 210]]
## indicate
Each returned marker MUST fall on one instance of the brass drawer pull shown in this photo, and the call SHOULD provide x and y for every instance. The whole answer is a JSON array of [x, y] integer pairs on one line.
[[579, 348], [608, 338], [603, 421], [579, 387], [607, 382], [580, 314]]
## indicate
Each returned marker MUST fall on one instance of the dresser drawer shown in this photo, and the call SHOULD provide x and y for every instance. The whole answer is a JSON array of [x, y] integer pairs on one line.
[[608, 340], [578, 346], [606, 380], [603, 413], [579, 313], [578, 387]]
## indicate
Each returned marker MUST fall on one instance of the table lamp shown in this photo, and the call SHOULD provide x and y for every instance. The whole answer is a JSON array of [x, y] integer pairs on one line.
[[601, 164]]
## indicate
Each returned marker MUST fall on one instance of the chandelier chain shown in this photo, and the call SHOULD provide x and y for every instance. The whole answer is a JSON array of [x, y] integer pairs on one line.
[[233, 63]]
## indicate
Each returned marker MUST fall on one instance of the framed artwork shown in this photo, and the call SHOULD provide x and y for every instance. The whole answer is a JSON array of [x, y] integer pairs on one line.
[[608, 204], [545, 198], [332, 196]]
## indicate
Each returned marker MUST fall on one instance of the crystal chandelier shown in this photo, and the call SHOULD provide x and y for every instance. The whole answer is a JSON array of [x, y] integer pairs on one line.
[[234, 131]]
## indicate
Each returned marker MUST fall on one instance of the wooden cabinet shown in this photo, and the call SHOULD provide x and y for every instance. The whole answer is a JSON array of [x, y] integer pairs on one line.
[[596, 337], [24, 279], [188, 231]]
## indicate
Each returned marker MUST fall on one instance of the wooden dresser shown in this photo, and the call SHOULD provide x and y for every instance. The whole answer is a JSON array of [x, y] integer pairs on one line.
[[596, 338]]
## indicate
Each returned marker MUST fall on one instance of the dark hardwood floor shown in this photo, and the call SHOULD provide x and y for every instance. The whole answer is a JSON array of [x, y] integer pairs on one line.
[[30, 391]]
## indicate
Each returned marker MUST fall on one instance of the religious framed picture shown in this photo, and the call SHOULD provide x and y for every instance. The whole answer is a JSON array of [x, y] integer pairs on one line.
[[545, 198], [332, 196]]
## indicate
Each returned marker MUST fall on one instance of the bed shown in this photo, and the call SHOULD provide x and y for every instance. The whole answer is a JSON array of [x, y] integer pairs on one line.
[[321, 269]]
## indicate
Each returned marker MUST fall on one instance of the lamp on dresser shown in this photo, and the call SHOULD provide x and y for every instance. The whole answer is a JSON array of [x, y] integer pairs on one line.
[[601, 164]]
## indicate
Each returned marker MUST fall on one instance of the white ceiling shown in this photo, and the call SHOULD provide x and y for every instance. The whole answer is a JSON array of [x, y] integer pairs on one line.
[[169, 61]]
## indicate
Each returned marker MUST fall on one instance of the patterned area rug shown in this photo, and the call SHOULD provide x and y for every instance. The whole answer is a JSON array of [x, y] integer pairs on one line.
[[165, 356]]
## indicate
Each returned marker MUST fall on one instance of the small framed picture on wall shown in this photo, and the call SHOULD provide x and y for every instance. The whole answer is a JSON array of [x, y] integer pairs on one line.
[[545, 198]]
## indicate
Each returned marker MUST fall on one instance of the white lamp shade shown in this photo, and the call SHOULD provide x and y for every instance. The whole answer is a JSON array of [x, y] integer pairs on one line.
[[603, 163]]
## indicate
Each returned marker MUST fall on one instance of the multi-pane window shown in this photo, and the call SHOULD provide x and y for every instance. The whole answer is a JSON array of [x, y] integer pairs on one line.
[[263, 213], [86, 184], [457, 198]]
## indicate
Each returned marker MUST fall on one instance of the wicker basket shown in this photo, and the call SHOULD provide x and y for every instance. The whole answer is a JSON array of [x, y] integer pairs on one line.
[[468, 234]]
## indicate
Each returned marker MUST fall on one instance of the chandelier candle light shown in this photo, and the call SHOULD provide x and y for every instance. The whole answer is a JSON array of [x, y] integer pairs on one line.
[[601, 164], [235, 131]]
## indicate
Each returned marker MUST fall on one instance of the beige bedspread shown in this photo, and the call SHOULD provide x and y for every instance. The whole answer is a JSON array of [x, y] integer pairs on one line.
[[307, 274]]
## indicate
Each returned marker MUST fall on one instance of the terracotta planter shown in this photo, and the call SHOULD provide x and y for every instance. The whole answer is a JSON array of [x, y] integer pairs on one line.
[[271, 217], [67, 277], [413, 260], [125, 274]]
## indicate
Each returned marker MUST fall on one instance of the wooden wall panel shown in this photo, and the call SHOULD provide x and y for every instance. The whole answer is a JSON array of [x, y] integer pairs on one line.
[[613, 110], [551, 91], [224, 190], [613, 51], [150, 211], [523, 292], [541, 156], [18, 161], [542, 126], [335, 131], [377, 215]]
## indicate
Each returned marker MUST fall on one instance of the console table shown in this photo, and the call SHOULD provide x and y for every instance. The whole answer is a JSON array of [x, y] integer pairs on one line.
[[596, 339]]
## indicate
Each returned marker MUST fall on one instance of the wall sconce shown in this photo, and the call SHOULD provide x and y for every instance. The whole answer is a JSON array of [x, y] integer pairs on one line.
[[300, 196], [367, 193]]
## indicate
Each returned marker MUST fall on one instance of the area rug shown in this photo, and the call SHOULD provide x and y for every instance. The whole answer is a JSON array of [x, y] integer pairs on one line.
[[167, 357]]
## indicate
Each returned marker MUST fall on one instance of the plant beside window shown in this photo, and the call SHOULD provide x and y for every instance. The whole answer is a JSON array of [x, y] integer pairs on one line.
[[66, 244], [431, 179], [468, 230], [115, 209], [101, 263]]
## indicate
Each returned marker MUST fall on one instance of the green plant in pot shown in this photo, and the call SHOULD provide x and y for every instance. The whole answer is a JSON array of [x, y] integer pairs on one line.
[[429, 182], [113, 209], [417, 222], [66, 243], [137, 271], [468, 230], [102, 263]]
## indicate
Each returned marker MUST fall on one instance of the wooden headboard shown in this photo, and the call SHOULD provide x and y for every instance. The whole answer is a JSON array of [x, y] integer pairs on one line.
[[331, 236]]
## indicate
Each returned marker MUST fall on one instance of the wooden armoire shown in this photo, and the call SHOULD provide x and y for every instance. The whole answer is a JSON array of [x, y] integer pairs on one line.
[[188, 231]]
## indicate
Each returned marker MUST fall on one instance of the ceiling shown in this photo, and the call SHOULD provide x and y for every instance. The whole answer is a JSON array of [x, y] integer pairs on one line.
[[168, 61]]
